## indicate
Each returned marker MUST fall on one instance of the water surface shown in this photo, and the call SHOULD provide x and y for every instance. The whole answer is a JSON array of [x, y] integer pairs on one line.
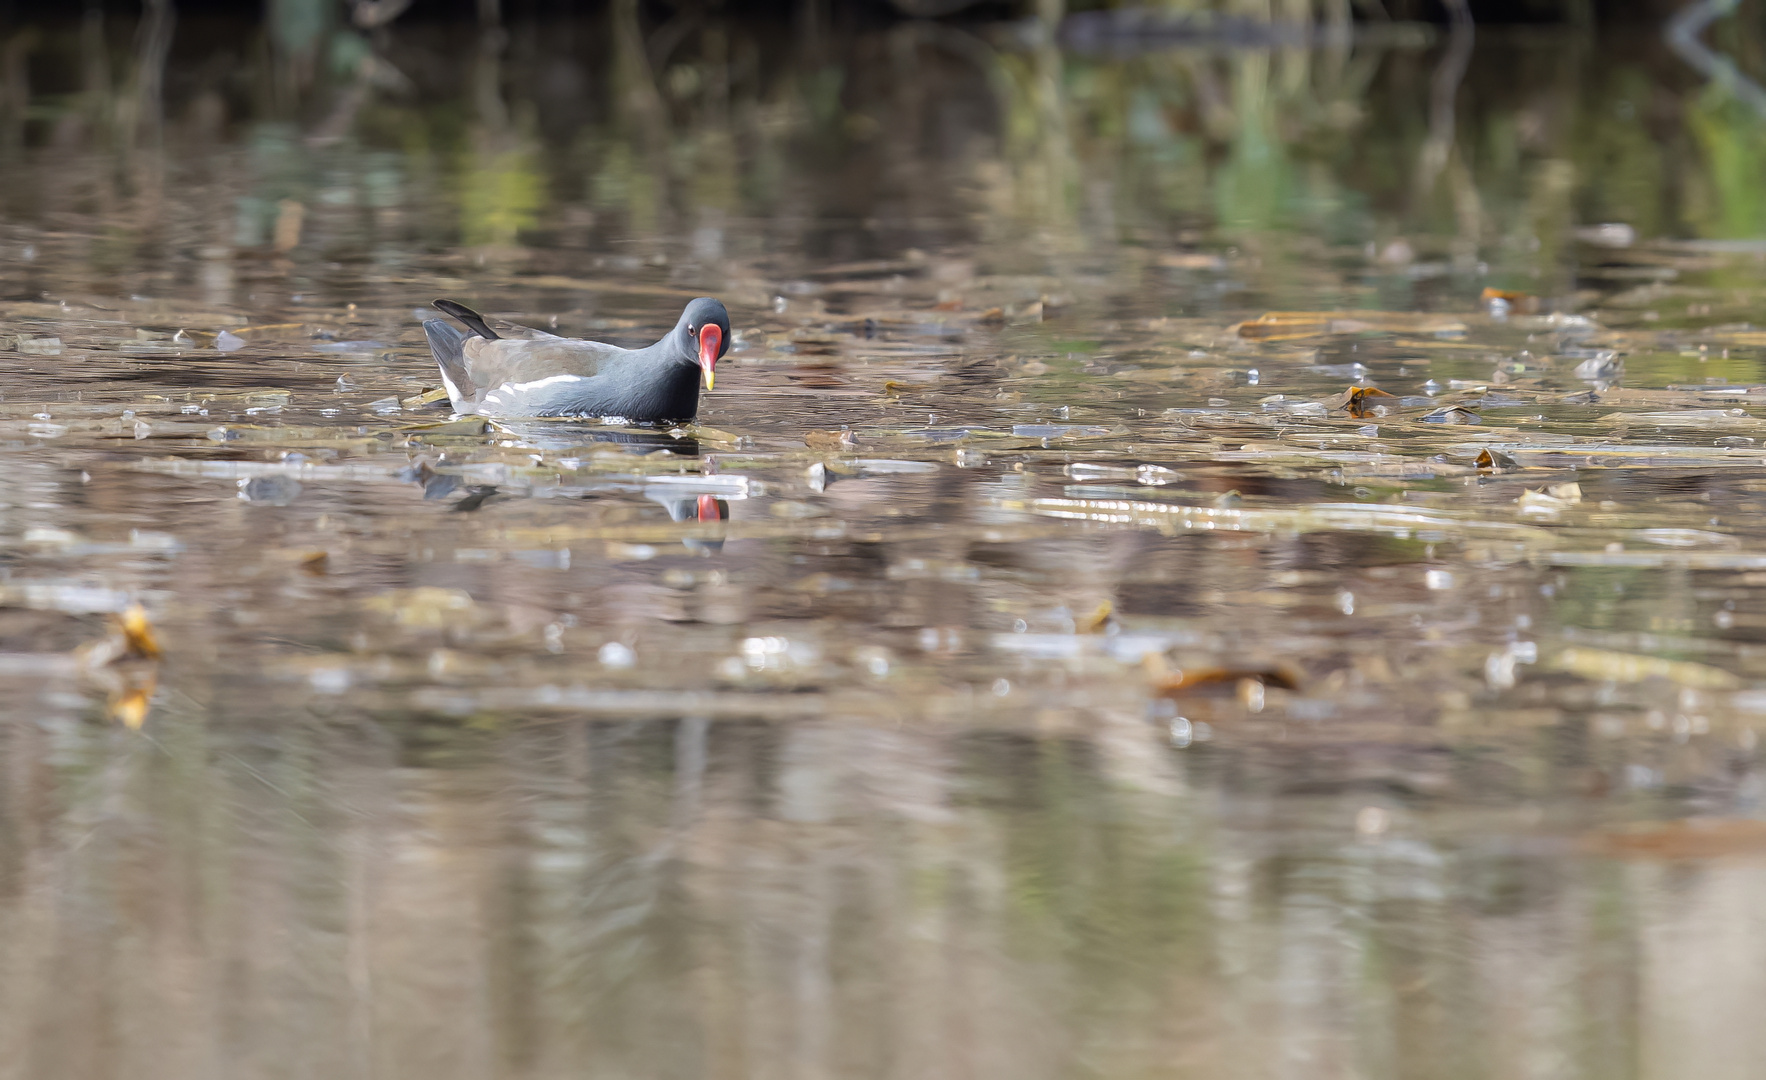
[[1032, 664]]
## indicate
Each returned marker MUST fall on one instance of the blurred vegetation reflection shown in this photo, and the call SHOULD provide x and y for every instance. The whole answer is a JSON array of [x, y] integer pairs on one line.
[[620, 129]]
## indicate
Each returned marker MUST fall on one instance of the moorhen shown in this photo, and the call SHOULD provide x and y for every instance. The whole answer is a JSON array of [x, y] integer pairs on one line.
[[524, 372]]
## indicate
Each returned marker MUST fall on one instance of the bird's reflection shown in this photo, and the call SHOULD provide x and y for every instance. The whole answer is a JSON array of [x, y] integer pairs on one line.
[[696, 508], [476, 497], [682, 506]]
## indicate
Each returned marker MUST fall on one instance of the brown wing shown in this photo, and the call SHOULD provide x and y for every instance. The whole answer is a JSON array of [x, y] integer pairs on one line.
[[516, 332], [517, 360]]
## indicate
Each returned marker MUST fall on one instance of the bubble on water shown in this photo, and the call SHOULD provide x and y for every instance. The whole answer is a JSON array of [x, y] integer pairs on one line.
[[1372, 820], [771, 652], [616, 655], [1251, 695], [1437, 580], [1001, 687], [229, 342], [1346, 602], [330, 680], [1499, 670], [1182, 734]]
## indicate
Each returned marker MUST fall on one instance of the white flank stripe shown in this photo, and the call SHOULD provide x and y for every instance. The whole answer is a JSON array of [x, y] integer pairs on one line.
[[524, 387]]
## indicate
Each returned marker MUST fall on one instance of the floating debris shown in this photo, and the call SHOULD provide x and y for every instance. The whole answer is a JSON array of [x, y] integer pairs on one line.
[[1495, 460], [1610, 666], [426, 608], [1098, 621], [843, 439], [131, 704], [1358, 400], [1502, 302], [1059, 431], [1172, 681], [1602, 365], [1276, 326], [427, 397], [137, 633]]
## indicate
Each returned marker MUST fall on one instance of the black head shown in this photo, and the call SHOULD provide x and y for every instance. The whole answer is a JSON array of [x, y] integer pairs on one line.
[[703, 334], [701, 313]]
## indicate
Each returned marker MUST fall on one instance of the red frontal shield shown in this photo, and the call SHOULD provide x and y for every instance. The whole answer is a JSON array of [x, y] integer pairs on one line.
[[711, 342]]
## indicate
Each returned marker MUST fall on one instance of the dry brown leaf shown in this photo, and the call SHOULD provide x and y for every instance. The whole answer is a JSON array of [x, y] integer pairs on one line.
[[130, 704], [1495, 459], [1519, 302], [1097, 620], [1170, 681], [829, 440], [137, 633], [1355, 399], [1692, 838], [427, 397]]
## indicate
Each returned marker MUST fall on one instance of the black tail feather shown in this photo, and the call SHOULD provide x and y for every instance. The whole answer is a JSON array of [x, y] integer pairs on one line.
[[445, 344], [472, 319]]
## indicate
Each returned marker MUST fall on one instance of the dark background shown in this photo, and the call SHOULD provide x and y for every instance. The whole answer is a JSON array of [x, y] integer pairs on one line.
[[872, 11]]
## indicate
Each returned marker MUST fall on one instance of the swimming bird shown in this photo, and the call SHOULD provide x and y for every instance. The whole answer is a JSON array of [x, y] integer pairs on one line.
[[518, 371]]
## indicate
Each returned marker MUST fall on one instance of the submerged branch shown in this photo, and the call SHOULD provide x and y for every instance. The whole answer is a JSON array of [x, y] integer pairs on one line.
[[1443, 96], [1682, 35]]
